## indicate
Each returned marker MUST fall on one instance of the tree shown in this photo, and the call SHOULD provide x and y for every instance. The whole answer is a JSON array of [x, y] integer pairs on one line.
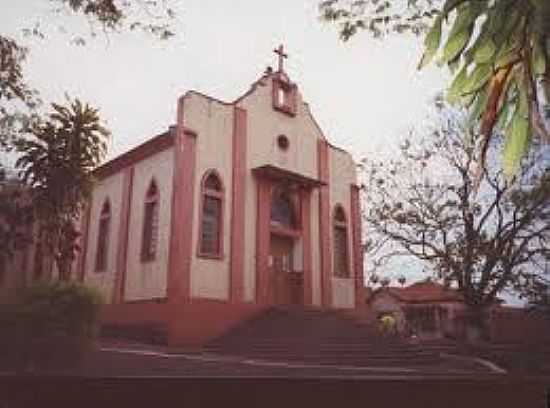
[[15, 219], [425, 206], [18, 102], [57, 164], [499, 52], [60, 150]]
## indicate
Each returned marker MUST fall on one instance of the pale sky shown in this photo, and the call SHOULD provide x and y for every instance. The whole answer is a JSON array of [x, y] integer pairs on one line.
[[365, 94]]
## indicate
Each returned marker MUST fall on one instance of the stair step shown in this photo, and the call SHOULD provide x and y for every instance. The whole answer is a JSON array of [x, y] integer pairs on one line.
[[318, 337]]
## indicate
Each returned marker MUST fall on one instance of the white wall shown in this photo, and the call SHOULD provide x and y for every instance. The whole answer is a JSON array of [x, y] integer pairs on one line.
[[111, 188], [213, 122], [146, 280], [342, 176], [316, 257]]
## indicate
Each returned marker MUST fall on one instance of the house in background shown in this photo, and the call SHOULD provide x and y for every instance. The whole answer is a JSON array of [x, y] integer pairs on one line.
[[433, 311], [238, 206], [426, 309]]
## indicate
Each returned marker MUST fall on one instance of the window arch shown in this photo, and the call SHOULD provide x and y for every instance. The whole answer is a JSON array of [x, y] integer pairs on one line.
[[149, 236], [103, 237], [211, 216], [340, 246], [282, 209]]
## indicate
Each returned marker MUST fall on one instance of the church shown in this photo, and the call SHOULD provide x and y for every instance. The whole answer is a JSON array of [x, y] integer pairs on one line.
[[237, 207]]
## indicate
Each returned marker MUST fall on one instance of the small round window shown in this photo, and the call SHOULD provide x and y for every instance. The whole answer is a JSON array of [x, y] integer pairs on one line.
[[282, 142]]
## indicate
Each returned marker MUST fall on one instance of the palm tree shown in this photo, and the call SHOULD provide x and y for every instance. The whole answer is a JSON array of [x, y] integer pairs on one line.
[[57, 164]]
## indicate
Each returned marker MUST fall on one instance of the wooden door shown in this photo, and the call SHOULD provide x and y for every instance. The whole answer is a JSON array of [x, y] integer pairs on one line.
[[287, 286]]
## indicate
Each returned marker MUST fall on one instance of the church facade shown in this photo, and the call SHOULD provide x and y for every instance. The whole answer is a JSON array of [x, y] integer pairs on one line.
[[238, 206]]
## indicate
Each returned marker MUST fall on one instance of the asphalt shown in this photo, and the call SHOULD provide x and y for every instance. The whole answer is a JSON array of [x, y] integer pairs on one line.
[[119, 359]]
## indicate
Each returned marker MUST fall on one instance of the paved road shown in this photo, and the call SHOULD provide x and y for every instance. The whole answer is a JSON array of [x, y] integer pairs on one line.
[[134, 360]]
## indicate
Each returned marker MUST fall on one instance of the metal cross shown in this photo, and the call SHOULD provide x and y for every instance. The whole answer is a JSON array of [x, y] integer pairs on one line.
[[281, 53]]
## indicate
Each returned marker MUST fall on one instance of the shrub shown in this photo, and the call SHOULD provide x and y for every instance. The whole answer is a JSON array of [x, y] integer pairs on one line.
[[64, 308], [53, 325]]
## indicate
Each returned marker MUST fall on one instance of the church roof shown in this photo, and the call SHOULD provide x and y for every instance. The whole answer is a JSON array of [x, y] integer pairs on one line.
[[144, 150], [421, 292]]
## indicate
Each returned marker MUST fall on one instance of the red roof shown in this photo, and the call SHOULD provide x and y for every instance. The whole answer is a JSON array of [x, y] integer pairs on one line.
[[425, 291]]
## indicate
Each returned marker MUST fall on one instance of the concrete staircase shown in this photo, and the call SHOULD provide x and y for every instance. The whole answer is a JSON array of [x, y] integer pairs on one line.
[[332, 338], [148, 333]]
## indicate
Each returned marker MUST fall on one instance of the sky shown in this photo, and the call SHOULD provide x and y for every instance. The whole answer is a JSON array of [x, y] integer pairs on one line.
[[366, 94]]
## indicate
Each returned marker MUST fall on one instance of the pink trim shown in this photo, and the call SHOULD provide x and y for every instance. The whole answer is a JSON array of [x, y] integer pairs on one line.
[[307, 261], [141, 152], [285, 232], [84, 242], [176, 222], [238, 205], [185, 322], [221, 196], [179, 273], [263, 239], [325, 223], [187, 208], [278, 85], [123, 235], [356, 226], [210, 98]]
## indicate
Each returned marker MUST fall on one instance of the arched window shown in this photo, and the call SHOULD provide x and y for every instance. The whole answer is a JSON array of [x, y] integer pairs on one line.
[[149, 237], [340, 250], [212, 193], [282, 211], [103, 237]]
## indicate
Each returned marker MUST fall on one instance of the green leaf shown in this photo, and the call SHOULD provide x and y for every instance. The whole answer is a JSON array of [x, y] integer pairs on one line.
[[503, 116], [461, 32], [485, 51], [480, 103], [431, 43], [516, 144], [464, 18], [478, 78], [456, 89], [454, 65], [523, 107], [456, 44]]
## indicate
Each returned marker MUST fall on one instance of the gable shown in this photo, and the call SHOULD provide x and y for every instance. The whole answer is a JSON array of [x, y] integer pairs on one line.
[[266, 123]]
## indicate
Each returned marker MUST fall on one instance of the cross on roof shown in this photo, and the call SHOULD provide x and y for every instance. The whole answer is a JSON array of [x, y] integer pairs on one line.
[[281, 53]]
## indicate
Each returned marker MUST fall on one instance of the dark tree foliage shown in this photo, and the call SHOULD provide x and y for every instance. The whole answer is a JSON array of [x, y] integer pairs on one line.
[[18, 100], [57, 164], [499, 52], [154, 17], [15, 218], [424, 205], [58, 152]]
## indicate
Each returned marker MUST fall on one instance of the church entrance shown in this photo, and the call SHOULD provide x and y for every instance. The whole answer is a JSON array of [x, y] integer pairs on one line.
[[286, 282]]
